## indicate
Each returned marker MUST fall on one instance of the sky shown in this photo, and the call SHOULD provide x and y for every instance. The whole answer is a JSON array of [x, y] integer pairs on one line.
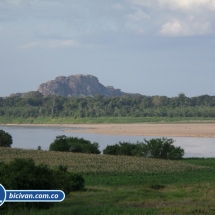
[[159, 47]]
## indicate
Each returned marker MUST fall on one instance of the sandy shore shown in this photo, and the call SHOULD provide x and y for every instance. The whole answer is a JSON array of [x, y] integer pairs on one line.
[[142, 129], [170, 130]]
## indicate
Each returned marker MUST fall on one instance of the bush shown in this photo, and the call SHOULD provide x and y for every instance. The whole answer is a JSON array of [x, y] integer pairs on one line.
[[60, 144], [74, 144], [123, 148], [5, 139], [68, 181], [111, 150], [161, 148], [23, 174], [154, 148]]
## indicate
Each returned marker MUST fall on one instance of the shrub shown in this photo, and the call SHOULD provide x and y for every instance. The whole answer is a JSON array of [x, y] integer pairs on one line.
[[123, 148], [23, 174], [74, 144], [68, 181], [155, 148], [111, 150], [5, 139], [60, 144], [161, 148]]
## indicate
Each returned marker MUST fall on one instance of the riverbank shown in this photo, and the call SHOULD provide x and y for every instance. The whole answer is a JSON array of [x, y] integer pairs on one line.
[[139, 129], [103, 120]]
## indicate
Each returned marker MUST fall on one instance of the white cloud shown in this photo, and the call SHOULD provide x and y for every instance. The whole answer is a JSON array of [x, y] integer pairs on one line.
[[175, 28], [179, 17], [176, 4], [188, 4], [179, 28], [51, 44]]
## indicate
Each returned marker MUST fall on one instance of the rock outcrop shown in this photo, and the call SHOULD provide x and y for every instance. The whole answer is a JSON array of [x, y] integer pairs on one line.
[[77, 85]]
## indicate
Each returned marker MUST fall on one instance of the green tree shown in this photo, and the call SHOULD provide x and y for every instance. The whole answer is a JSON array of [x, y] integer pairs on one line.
[[161, 148], [111, 150], [74, 144], [123, 148], [60, 144], [5, 139], [32, 94]]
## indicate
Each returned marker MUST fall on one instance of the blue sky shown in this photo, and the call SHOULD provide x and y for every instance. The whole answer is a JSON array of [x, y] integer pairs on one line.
[[159, 47]]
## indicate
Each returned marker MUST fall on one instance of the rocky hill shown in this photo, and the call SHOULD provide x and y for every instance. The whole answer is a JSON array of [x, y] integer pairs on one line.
[[77, 85]]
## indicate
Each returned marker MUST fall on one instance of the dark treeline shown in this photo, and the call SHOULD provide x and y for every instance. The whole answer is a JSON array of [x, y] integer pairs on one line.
[[33, 104]]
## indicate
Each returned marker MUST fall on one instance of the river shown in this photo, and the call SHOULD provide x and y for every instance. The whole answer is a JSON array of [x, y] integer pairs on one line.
[[33, 136]]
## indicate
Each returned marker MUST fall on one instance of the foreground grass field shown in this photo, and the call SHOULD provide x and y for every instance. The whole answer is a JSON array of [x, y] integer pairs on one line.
[[129, 185]]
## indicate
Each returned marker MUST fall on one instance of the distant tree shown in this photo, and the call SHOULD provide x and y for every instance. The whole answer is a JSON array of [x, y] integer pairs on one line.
[[154, 148], [60, 144], [123, 148], [161, 148], [111, 150], [74, 144], [32, 94], [33, 104], [5, 139]]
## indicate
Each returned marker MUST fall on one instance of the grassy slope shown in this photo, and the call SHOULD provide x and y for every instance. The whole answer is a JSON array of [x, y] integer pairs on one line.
[[148, 190]]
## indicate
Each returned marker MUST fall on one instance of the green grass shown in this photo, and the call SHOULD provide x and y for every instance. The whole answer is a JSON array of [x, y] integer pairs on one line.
[[128, 185], [209, 162], [166, 178], [70, 120], [135, 200]]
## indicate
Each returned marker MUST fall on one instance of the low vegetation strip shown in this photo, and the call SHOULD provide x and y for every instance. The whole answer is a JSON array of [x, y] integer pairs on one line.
[[101, 120], [98, 164]]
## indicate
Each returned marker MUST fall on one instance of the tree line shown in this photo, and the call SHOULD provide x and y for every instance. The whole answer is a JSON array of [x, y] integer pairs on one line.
[[33, 105], [162, 148]]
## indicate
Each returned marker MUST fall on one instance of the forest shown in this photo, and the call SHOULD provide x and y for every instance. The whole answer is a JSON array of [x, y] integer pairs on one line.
[[33, 105]]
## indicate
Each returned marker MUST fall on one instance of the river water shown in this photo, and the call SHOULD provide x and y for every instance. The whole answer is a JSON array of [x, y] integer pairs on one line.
[[33, 136]]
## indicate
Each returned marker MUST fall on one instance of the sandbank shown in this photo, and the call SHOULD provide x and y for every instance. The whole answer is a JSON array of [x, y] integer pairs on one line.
[[146, 129], [140, 129]]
